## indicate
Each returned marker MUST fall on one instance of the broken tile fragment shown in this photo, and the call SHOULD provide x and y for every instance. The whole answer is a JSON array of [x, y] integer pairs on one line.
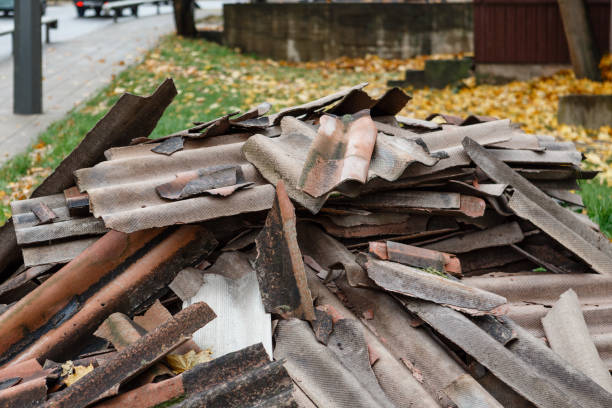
[[44, 214], [216, 180], [340, 152], [322, 325], [169, 146], [415, 256], [279, 264]]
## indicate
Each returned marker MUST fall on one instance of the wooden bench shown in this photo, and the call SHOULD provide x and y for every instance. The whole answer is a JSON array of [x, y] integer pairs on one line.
[[118, 6], [48, 22]]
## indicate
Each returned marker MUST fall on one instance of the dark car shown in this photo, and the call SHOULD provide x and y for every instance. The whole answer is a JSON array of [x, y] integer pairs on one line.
[[8, 6], [96, 6]]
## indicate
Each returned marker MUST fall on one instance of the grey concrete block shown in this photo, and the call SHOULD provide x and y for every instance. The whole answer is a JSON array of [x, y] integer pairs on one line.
[[439, 73], [590, 111]]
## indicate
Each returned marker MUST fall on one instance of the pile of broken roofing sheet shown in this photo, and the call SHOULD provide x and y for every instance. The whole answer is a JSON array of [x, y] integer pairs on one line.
[[334, 254]]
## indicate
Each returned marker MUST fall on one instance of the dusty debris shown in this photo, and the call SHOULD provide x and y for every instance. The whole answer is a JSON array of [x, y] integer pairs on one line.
[[397, 261]]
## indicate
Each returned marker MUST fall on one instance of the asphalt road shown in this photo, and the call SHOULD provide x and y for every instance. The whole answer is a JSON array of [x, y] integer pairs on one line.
[[71, 27]]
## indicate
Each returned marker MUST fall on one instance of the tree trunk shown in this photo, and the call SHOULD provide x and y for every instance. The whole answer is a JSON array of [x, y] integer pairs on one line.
[[583, 50], [184, 18]]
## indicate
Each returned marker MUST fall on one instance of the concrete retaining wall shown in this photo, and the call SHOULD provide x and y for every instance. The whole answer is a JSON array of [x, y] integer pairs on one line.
[[590, 111], [320, 31]]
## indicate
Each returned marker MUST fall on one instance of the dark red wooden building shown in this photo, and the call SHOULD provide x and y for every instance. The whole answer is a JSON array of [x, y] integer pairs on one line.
[[530, 31]]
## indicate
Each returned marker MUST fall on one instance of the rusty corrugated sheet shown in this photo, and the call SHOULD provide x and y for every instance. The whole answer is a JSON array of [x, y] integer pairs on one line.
[[25, 394], [530, 31], [406, 341], [135, 358], [264, 386], [319, 371], [244, 370], [283, 158], [438, 189]]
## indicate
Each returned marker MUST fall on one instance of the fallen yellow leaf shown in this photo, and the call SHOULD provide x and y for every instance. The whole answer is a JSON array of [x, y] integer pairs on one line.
[[74, 373], [183, 362]]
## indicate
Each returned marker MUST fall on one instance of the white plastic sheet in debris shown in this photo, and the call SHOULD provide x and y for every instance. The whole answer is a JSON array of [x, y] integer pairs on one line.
[[232, 291]]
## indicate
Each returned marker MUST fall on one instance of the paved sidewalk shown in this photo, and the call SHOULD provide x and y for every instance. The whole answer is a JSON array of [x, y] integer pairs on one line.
[[73, 71]]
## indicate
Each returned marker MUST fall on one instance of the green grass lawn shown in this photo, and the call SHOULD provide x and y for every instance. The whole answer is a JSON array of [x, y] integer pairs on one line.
[[598, 201], [211, 80]]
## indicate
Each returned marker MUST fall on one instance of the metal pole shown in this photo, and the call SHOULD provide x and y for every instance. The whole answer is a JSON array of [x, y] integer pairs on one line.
[[27, 88]]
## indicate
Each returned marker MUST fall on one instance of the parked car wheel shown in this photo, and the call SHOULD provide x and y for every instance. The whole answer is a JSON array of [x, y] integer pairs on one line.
[[98, 11], [80, 12]]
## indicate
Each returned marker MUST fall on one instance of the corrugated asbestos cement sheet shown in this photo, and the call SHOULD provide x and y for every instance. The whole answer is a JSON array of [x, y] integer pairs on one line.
[[530, 297], [46, 244], [123, 190]]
